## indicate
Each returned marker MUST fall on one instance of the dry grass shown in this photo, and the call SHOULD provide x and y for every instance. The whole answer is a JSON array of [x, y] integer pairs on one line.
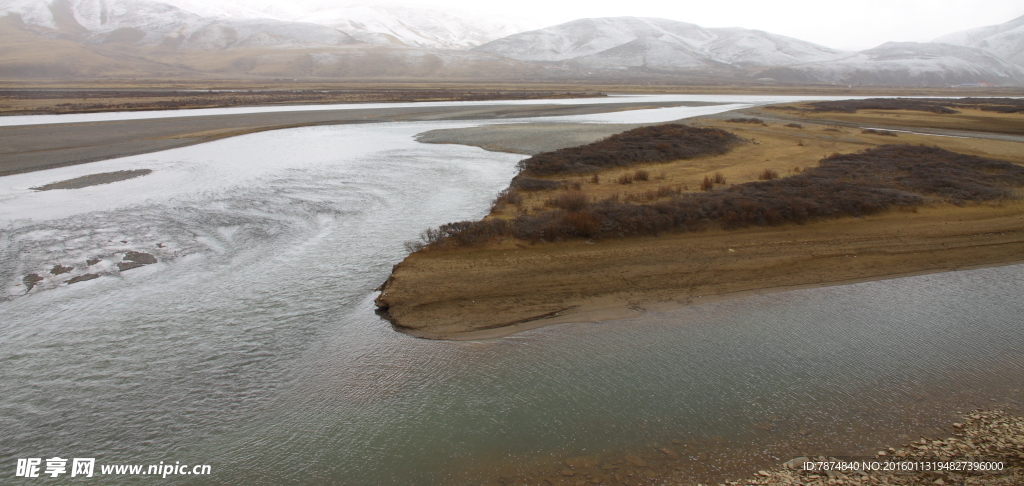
[[967, 119], [774, 144], [858, 184]]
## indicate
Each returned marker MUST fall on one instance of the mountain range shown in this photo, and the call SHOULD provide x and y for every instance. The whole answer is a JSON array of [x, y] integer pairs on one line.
[[89, 39]]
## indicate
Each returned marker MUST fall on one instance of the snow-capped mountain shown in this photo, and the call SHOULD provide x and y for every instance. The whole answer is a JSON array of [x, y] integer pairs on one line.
[[150, 38], [385, 24], [152, 23], [1004, 40], [665, 45], [413, 26], [906, 63], [241, 24], [243, 38], [656, 43]]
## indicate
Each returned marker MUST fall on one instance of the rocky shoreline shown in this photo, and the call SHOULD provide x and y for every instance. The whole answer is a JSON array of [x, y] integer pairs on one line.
[[993, 436], [983, 437]]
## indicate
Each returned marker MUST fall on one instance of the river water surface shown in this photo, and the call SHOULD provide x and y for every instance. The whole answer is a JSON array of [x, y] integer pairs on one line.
[[253, 345]]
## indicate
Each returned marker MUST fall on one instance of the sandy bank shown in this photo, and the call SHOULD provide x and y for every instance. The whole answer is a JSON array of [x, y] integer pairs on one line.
[[485, 293], [526, 139]]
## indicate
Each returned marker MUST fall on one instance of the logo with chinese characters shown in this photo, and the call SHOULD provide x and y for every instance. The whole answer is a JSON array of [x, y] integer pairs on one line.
[[55, 466]]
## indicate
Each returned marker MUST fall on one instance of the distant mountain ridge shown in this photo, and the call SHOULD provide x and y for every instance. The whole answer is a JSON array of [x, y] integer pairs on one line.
[[152, 23], [1004, 40], [230, 23], [254, 38], [658, 43], [624, 43], [906, 63]]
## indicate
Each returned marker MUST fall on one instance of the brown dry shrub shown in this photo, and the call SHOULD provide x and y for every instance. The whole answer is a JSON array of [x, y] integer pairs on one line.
[[707, 184], [757, 121], [851, 106], [644, 145], [582, 223], [529, 184], [767, 175], [666, 191], [573, 201], [509, 197], [887, 133]]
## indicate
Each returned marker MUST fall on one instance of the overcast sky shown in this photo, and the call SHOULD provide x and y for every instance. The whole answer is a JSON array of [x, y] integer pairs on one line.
[[850, 24]]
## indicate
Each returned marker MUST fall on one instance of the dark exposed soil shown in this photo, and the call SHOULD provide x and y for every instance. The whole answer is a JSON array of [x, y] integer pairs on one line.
[[83, 278], [94, 179]]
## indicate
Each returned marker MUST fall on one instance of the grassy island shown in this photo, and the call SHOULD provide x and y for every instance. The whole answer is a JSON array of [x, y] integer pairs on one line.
[[666, 215]]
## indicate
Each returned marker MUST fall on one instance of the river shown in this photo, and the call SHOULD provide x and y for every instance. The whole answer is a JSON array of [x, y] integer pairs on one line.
[[252, 346]]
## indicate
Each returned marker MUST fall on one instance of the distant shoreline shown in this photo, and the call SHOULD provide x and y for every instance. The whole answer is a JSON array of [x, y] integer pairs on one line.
[[66, 101], [18, 97], [29, 148]]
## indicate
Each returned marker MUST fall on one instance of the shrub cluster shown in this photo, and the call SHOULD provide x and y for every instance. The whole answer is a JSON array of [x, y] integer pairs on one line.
[[645, 145], [655, 194], [843, 185], [942, 106], [871, 131], [572, 201], [508, 197], [520, 183], [999, 105], [756, 121], [709, 182], [851, 106], [768, 175]]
